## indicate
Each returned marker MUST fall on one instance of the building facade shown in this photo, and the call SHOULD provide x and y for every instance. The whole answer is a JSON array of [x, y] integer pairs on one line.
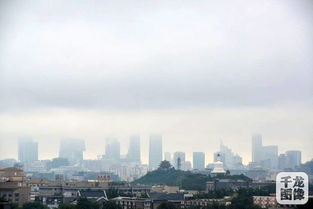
[[198, 160], [73, 150], [134, 152], [27, 150], [155, 151]]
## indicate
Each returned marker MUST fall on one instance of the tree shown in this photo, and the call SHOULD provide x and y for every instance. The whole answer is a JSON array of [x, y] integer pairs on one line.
[[14, 206], [67, 206], [34, 205], [166, 205], [165, 165], [84, 203], [111, 205]]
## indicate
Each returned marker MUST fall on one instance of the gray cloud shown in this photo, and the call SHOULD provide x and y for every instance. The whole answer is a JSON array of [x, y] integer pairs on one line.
[[155, 55]]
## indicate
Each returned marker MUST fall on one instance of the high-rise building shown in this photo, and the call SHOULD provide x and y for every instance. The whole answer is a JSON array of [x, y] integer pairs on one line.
[[282, 161], [73, 150], [266, 156], [270, 157], [198, 160], [155, 151], [168, 157], [229, 159], [179, 160], [293, 158], [27, 150], [257, 148], [112, 149], [134, 149]]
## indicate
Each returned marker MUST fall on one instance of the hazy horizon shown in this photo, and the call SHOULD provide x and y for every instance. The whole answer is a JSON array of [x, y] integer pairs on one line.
[[195, 72]]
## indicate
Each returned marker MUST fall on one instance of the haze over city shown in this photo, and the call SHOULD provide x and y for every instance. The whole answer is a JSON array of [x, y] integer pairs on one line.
[[197, 73]]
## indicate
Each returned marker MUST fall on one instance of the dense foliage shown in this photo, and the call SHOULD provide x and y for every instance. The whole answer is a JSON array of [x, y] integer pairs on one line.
[[167, 175], [166, 205], [172, 177], [34, 205]]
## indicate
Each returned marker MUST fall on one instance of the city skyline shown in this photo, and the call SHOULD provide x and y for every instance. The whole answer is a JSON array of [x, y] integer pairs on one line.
[[95, 96], [113, 144]]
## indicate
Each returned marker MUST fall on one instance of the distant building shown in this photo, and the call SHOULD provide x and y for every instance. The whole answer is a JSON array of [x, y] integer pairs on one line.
[[270, 157], [198, 160], [27, 150], [179, 160], [155, 151], [134, 154], [282, 161], [257, 148], [5, 163], [55, 193], [229, 159], [293, 158], [73, 150], [13, 187], [218, 169], [226, 184], [112, 149], [266, 156]]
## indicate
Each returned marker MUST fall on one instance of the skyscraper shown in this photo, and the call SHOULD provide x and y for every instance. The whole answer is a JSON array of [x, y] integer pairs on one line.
[[282, 161], [270, 157], [155, 151], [72, 149], [112, 149], [293, 158], [179, 160], [27, 150], [257, 148], [134, 149], [230, 159], [198, 160]]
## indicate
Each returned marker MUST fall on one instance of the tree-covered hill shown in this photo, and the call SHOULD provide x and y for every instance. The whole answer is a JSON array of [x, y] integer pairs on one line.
[[172, 177], [167, 175]]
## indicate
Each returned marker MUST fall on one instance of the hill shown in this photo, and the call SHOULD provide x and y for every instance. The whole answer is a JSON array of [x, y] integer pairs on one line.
[[171, 177]]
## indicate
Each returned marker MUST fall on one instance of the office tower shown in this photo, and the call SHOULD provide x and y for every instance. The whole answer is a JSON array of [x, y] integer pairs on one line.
[[257, 148], [112, 149], [134, 149], [229, 159], [73, 150], [179, 160], [293, 158], [168, 157], [270, 157], [27, 150], [282, 161], [198, 160], [155, 151]]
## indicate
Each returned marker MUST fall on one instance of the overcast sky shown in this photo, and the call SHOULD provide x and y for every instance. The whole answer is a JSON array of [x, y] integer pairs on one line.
[[195, 71]]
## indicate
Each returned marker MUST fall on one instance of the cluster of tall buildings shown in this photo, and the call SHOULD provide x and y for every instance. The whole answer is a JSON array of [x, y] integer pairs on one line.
[[230, 160], [72, 150], [267, 157]]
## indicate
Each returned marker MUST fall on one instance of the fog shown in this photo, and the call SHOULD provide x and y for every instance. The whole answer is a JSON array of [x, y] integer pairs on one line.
[[195, 72]]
